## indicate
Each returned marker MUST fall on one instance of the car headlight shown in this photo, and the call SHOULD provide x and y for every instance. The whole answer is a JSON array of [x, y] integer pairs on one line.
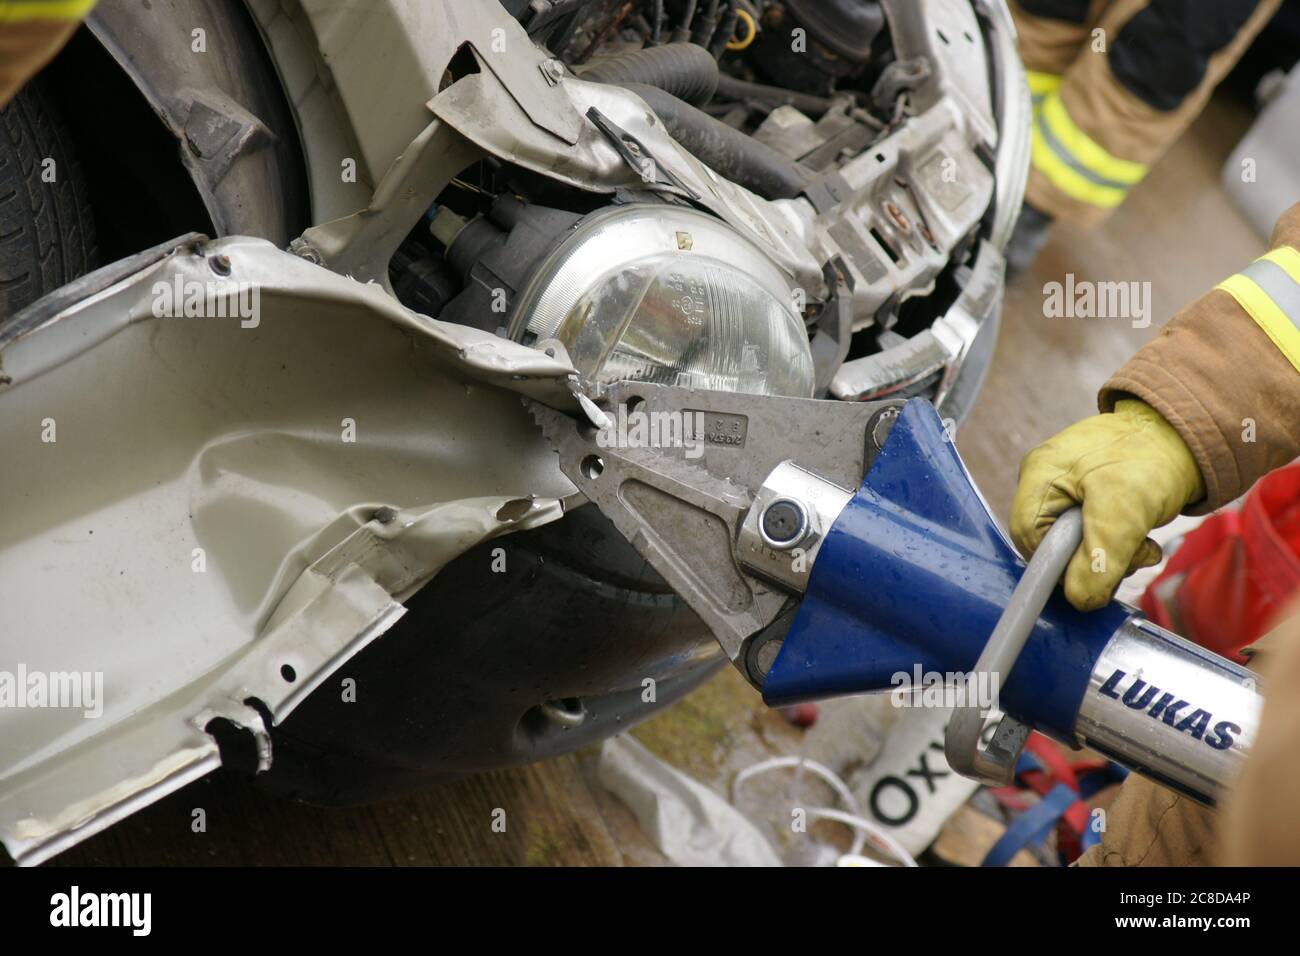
[[671, 296]]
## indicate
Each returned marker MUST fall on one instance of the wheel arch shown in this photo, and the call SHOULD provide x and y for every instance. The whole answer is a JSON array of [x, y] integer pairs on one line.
[[206, 72]]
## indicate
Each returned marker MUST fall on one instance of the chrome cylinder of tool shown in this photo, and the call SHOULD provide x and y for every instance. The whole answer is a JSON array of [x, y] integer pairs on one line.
[[1180, 714], [792, 513]]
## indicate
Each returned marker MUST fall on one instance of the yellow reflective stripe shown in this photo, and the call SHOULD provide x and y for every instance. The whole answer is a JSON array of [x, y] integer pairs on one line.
[[1069, 180], [19, 11], [1083, 149], [1275, 323], [1288, 259], [1040, 84]]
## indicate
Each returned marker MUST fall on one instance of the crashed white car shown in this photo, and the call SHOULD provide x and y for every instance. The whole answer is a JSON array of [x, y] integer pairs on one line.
[[271, 494]]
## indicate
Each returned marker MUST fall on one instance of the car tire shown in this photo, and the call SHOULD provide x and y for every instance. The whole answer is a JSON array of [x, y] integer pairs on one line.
[[47, 230], [490, 670]]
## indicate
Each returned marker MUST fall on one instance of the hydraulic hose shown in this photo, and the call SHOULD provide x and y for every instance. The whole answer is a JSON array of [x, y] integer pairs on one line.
[[727, 151], [685, 70], [733, 89]]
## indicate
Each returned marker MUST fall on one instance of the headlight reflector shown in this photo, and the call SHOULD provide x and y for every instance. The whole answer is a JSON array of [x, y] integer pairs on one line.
[[671, 296]]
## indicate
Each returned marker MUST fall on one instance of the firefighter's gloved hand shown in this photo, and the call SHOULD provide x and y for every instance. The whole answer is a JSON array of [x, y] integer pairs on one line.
[[1130, 470]]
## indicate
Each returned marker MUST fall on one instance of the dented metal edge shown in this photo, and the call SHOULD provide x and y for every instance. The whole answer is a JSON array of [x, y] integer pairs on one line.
[[344, 600]]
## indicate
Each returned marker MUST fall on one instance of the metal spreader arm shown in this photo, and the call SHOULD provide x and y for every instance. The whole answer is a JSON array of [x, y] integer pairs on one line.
[[815, 590]]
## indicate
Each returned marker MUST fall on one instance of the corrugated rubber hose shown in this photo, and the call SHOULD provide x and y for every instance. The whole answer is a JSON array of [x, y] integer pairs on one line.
[[685, 70], [724, 149]]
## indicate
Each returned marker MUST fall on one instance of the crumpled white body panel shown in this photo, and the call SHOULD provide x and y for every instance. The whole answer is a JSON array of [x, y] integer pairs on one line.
[[196, 508]]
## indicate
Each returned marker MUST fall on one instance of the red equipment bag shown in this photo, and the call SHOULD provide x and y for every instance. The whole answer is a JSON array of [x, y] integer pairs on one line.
[[1231, 576]]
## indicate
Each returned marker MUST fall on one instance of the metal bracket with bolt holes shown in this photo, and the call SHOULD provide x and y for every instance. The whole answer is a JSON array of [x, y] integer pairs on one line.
[[696, 509]]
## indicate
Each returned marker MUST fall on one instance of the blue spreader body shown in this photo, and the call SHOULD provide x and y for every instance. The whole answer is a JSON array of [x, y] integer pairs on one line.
[[915, 571]]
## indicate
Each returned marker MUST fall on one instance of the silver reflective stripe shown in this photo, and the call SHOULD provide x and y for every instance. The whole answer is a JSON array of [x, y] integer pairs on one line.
[[1277, 285], [1170, 710], [1067, 157]]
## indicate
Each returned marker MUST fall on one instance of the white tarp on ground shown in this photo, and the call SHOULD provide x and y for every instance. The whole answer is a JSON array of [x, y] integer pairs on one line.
[[890, 758], [687, 822]]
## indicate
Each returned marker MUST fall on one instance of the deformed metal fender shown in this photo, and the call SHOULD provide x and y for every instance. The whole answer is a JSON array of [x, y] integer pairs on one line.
[[225, 469]]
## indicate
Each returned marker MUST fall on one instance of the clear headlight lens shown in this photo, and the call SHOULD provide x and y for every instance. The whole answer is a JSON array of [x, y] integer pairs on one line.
[[671, 296]]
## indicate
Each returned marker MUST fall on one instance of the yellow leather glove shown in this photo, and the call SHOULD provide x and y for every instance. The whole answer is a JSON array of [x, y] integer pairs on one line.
[[1130, 470]]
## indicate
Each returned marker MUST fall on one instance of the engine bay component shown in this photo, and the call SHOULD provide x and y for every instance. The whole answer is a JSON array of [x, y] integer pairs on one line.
[[725, 150], [810, 44], [495, 254], [673, 296], [847, 28], [685, 70], [891, 212]]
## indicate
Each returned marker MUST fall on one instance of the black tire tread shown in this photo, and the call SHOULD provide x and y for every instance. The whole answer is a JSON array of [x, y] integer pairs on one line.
[[47, 230]]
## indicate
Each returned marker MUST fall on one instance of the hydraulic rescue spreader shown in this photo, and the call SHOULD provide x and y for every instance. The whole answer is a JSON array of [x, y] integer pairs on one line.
[[833, 546]]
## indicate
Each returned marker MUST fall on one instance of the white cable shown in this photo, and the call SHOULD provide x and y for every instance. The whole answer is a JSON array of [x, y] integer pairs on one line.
[[879, 838], [863, 829], [780, 763], [821, 770]]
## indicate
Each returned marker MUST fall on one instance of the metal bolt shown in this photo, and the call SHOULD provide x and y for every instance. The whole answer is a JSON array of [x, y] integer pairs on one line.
[[301, 248], [784, 523], [552, 70]]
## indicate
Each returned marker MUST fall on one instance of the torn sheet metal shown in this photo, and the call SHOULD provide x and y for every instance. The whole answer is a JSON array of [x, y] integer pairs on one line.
[[223, 474], [361, 245], [482, 110], [416, 41]]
